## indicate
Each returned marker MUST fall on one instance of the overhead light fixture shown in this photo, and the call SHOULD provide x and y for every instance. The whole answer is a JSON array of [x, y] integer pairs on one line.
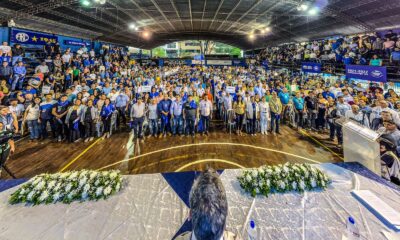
[[304, 7], [313, 11], [136, 28], [86, 3], [262, 31], [146, 34], [267, 29], [132, 26], [251, 36]]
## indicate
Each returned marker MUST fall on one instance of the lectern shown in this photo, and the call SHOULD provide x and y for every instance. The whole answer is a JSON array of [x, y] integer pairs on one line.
[[360, 145]]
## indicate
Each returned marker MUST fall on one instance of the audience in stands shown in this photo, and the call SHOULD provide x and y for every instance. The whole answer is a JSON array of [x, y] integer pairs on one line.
[[368, 49]]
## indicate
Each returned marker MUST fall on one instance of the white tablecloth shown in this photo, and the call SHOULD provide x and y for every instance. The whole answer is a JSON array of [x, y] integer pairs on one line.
[[148, 208]]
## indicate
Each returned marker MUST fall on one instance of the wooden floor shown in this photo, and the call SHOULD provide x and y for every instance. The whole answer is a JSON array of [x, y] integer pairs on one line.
[[219, 150]]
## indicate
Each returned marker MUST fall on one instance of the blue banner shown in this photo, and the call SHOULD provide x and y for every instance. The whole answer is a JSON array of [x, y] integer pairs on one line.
[[76, 43], [28, 37], [370, 73], [198, 57], [311, 67]]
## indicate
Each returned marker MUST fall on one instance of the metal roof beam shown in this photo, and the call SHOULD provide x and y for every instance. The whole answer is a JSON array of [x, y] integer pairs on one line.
[[244, 15], [229, 14], [147, 14]]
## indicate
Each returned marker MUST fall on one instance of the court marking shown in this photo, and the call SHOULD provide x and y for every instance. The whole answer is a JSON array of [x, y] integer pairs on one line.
[[204, 144], [209, 160], [80, 155], [321, 144]]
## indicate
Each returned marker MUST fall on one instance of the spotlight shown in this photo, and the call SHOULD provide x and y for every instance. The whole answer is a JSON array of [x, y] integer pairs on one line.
[[313, 11], [262, 31], [304, 7], [136, 29], [132, 26], [86, 3], [267, 29], [251, 36], [146, 34]]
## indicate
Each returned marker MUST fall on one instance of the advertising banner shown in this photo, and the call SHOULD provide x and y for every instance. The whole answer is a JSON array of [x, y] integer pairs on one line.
[[28, 37], [76, 43], [370, 73], [219, 62], [311, 67]]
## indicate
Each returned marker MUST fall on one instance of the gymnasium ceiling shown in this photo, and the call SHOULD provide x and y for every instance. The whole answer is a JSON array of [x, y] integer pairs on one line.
[[227, 21]]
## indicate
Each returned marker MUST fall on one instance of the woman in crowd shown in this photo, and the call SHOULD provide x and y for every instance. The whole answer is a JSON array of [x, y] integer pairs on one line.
[[31, 117], [321, 112], [239, 108], [73, 120], [90, 116], [106, 113]]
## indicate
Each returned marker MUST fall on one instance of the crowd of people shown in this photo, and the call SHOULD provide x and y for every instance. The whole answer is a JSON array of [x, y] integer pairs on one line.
[[369, 49], [84, 95]]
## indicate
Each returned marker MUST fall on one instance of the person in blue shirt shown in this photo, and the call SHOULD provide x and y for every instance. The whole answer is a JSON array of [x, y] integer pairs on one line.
[[327, 93], [164, 107], [177, 116], [107, 89], [395, 57], [121, 104], [105, 114], [18, 77], [29, 90], [153, 93], [298, 103], [347, 60], [46, 115], [284, 96]]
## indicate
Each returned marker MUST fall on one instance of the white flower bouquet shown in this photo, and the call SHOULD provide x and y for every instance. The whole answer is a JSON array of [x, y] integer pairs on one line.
[[66, 187], [283, 178]]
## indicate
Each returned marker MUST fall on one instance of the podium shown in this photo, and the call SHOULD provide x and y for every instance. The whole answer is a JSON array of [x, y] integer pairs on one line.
[[360, 145]]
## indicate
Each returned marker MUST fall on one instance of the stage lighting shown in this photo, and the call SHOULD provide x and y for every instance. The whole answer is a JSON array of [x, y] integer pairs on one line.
[[304, 7], [262, 31], [136, 29], [86, 3], [132, 26], [267, 29], [313, 11], [251, 36], [146, 34]]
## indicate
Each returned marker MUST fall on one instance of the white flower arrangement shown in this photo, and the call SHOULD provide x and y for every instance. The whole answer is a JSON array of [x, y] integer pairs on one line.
[[283, 178], [67, 187]]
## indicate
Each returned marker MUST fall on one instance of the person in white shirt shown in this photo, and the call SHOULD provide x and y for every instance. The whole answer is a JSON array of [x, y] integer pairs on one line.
[[16, 108], [92, 53], [66, 58], [5, 49], [42, 68], [264, 115], [137, 117], [356, 115], [206, 113]]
